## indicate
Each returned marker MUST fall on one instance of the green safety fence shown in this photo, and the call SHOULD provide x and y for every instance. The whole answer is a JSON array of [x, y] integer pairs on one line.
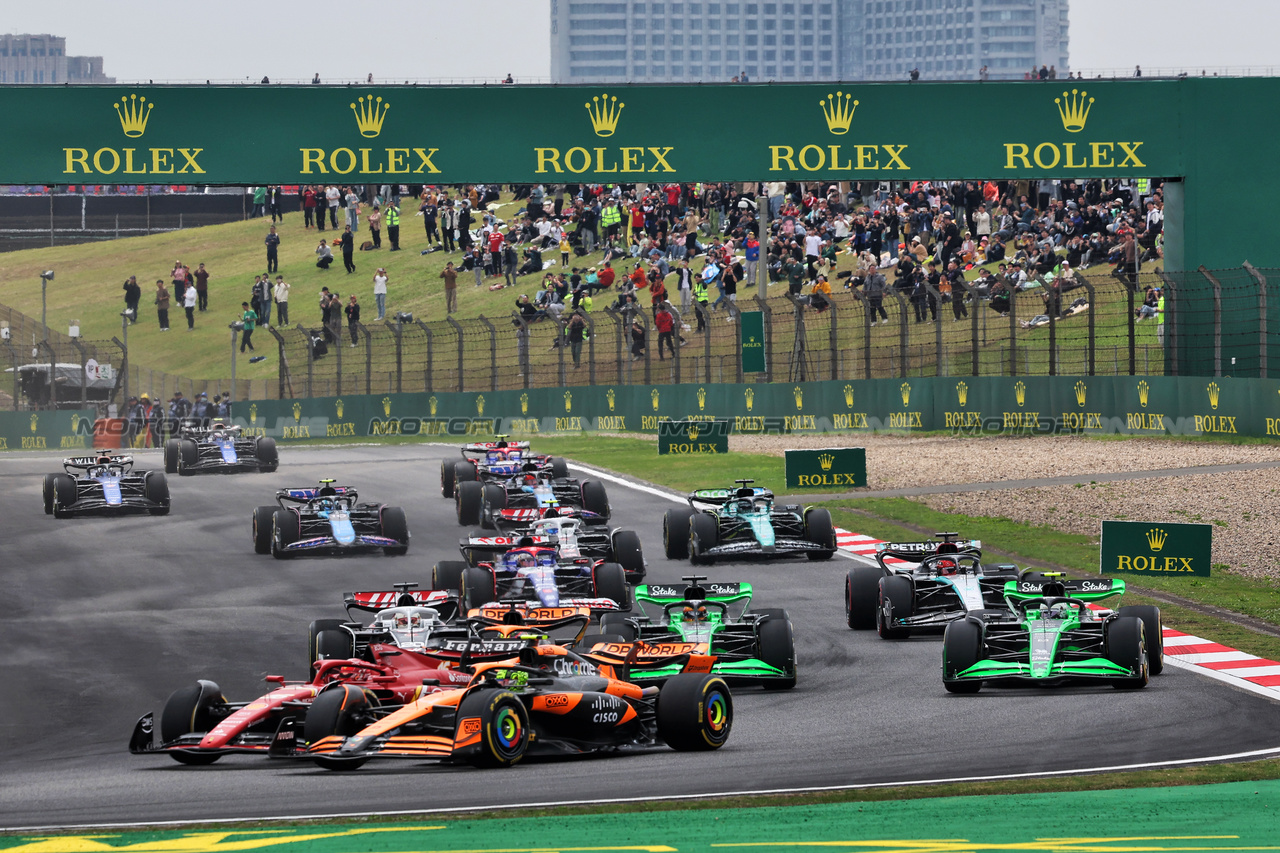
[[63, 429]]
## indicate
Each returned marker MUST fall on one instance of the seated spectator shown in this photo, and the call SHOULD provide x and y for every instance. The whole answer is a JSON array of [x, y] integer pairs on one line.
[[1149, 304]]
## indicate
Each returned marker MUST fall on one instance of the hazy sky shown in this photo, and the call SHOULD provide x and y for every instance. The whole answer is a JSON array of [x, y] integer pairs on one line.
[[486, 39]]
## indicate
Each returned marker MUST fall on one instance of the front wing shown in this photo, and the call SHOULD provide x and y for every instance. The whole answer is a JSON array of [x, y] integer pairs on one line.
[[1099, 669], [751, 546], [327, 544]]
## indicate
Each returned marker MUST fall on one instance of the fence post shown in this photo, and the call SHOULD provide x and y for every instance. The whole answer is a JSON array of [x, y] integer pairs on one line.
[[706, 341], [937, 326], [53, 373], [397, 329], [1217, 320], [338, 348], [619, 328], [1093, 304], [976, 303], [493, 353], [426, 330], [736, 315], [84, 380], [1013, 326], [869, 318], [1262, 318], [522, 345], [648, 336], [13, 356], [679, 329], [283, 370], [768, 332], [123, 381], [902, 328], [591, 348], [368, 357], [457, 327], [311, 357]]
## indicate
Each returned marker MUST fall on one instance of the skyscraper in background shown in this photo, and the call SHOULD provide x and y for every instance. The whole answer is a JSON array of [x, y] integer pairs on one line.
[[641, 41], [43, 58]]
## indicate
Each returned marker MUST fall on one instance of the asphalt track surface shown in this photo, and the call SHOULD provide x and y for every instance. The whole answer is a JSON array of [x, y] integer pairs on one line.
[[105, 617]]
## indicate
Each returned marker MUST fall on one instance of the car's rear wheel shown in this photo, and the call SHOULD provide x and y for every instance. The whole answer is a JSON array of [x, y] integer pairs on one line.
[[628, 553], [896, 595], [188, 455], [395, 526], [695, 712], [1153, 631], [818, 528], [155, 488], [341, 712], [262, 517], [171, 456], [1126, 646], [704, 534], [610, 581], [285, 530], [464, 471], [492, 499], [314, 630], [467, 497], [447, 575], [504, 729], [559, 468], [675, 532], [595, 498], [64, 494], [861, 597], [478, 588], [48, 493], [616, 624], [777, 647], [448, 471], [264, 450], [191, 709], [962, 647]]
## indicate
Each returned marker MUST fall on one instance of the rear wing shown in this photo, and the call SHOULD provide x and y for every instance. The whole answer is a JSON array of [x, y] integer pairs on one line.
[[626, 657], [372, 602], [81, 463], [916, 551], [1090, 589], [311, 492], [721, 497], [669, 592]]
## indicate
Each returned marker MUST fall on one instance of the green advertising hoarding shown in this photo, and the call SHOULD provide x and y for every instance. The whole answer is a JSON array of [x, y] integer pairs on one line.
[[751, 342], [1152, 548], [693, 437], [829, 467]]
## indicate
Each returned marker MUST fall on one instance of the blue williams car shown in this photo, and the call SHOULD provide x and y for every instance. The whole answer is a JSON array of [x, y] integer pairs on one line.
[[104, 485], [217, 447], [327, 519]]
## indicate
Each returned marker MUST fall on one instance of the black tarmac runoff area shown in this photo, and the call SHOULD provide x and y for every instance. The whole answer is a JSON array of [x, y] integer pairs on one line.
[[105, 617]]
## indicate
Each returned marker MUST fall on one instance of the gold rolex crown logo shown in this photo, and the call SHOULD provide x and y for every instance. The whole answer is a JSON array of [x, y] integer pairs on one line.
[[611, 397], [524, 404], [1213, 390], [370, 113], [479, 404], [838, 110], [297, 412], [35, 420], [1020, 392], [604, 111], [1081, 388], [338, 405], [133, 113], [1074, 110], [848, 396], [433, 404], [906, 393], [1156, 538], [702, 399], [653, 395], [825, 461], [253, 413], [692, 432], [962, 392], [1144, 392], [799, 394], [750, 394], [386, 407], [568, 401]]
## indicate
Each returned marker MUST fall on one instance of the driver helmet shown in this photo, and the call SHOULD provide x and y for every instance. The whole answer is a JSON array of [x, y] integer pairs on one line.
[[745, 505], [694, 612], [948, 567], [1057, 611], [407, 621], [530, 480], [104, 459], [525, 560]]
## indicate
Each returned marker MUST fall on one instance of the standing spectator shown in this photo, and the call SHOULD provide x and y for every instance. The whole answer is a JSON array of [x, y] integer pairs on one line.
[[189, 305], [259, 201], [348, 249], [577, 334], [335, 316], [201, 276], [147, 433], [262, 298], [666, 325], [308, 207], [874, 291], [162, 304], [353, 318], [564, 250], [637, 339], [200, 410], [464, 225], [352, 203], [375, 226], [392, 216], [326, 314], [273, 244], [380, 292], [132, 294], [700, 301], [448, 225], [333, 196], [753, 257], [275, 203], [249, 318], [450, 276], [281, 294], [684, 285], [795, 274], [325, 255], [955, 280], [428, 210]]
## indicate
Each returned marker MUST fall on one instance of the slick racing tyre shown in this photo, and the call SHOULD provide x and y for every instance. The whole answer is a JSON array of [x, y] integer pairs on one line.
[[1126, 646], [610, 581], [616, 624], [196, 708], [818, 528], [447, 575], [896, 595], [334, 644], [264, 450], [262, 517], [595, 499], [478, 588], [704, 534], [862, 597], [675, 532], [48, 492], [1153, 629], [464, 471], [395, 526], [155, 488], [559, 468], [467, 497], [493, 728], [340, 712], [628, 554], [695, 712], [171, 456], [64, 495], [314, 630], [447, 475], [188, 455], [492, 499], [284, 532], [962, 647], [777, 647]]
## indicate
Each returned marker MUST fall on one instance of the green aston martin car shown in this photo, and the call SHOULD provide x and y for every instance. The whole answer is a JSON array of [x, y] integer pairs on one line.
[[1050, 635]]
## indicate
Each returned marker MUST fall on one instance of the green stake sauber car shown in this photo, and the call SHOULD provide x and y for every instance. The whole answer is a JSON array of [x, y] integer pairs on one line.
[[1050, 636], [745, 521], [746, 647]]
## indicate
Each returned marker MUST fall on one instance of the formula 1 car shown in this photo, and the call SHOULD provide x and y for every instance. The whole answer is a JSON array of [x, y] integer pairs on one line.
[[1049, 635], [327, 519], [544, 700], [104, 485], [563, 530], [218, 448], [930, 584], [489, 461], [745, 521], [537, 573], [533, 490], [749, 646]]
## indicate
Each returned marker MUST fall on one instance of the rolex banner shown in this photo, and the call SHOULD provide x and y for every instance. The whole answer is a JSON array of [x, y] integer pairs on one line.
[[836, 468], [1156, 549], [751, 340], [693, 437]]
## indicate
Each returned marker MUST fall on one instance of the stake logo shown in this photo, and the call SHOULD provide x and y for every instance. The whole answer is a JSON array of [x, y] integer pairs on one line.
[[838, 110]]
